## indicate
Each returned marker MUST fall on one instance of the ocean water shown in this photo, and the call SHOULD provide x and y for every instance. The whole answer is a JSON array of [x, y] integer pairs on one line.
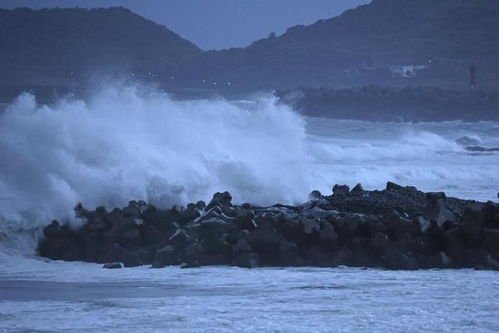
[[77, 297], [138, 143]]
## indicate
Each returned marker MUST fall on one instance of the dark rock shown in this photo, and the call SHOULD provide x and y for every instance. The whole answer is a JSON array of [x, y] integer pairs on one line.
[[130, 239], [244, 219], [491, 242], [341, 189], [315, 196], [113, 265], [191, 213], [265, 240], [288, 253], [246, 260], [393, 187], [166, 256], [357, 189], [195, 264], [53, 230], [180, 239], [213, 234], [436, 210], [220, 199], [473, 225], [119, 254]]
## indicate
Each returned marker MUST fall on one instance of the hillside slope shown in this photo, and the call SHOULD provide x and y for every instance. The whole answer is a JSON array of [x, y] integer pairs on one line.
[[361, 45], [54, 45]]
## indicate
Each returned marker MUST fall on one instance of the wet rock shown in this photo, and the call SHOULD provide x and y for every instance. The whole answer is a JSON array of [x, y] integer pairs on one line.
[[244, 219], [246, 260], [113, 265], [265, 240], [180, 239], [473, 225], [315, 196], [119, 254], [220, 199], [213, 233], [53, 230], [351, 223], [423, 224], [436, 210], [186, 265], [397, 228], [341, 189], [393, 187], [491, 242], [131, 239], [327, 233], [132, 210], [445, 260], [288, 253], [357, 189], [310, 225], [191, 213], [166, 256]]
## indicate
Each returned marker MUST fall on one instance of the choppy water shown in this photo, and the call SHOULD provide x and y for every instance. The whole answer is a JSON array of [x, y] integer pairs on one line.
[[127, 143], [61, 297]]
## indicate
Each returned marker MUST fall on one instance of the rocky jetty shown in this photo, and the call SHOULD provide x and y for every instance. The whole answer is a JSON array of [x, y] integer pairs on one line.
[[396, 228]]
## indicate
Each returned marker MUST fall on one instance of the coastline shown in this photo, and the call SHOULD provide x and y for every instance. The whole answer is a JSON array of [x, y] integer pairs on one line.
[[396, 228]]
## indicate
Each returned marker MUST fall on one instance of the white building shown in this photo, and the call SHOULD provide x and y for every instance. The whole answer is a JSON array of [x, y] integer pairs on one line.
[[406, 71]]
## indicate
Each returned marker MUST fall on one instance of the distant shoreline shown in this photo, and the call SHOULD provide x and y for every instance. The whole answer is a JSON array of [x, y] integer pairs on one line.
[[374, 103], [368, 103]]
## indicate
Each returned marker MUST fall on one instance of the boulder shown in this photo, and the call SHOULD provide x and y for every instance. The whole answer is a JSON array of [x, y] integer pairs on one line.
[[288, 253], [327, 233], [491, 242], [244, 219], [130, 239], [116, 253], [473, 225], [315, 196], [340, 190], [180, 239], [264, 240], [393, 187], [246, 260], [113, 265], [213, 233], [220, 199], [357, 189], [165, 256], [53, 230], [436, 210]]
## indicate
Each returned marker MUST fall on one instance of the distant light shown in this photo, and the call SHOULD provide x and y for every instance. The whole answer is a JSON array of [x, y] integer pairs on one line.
[[228, 83], [173, 77], [215, 83], [204, 81]]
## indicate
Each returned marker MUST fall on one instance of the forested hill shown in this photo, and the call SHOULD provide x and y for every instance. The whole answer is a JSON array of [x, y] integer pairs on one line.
[[52, 46], [362, 45], [387, 43]]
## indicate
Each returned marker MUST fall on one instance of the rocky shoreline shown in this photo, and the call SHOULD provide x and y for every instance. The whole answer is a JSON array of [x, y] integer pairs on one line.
[[396, 228]]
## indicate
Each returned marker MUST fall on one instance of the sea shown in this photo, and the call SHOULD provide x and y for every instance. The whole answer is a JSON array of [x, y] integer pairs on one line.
[[135, 142]]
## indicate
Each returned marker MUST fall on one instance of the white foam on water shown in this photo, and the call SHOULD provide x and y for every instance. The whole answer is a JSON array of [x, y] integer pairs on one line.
[[135, 142]]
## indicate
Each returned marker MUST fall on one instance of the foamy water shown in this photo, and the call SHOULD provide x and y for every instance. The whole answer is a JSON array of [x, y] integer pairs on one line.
[[77, 297], [135, 143]]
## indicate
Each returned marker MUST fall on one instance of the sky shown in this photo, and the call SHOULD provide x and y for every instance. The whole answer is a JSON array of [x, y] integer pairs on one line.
[[216, 24]]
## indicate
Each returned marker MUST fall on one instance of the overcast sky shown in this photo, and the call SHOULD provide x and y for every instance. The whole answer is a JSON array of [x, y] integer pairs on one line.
[[215, 24]]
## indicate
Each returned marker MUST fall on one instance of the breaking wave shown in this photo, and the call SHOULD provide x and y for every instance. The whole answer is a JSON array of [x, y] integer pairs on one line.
[[134, 143]]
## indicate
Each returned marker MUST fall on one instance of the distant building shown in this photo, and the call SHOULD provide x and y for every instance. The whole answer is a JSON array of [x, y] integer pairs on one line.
[[406, 71]]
